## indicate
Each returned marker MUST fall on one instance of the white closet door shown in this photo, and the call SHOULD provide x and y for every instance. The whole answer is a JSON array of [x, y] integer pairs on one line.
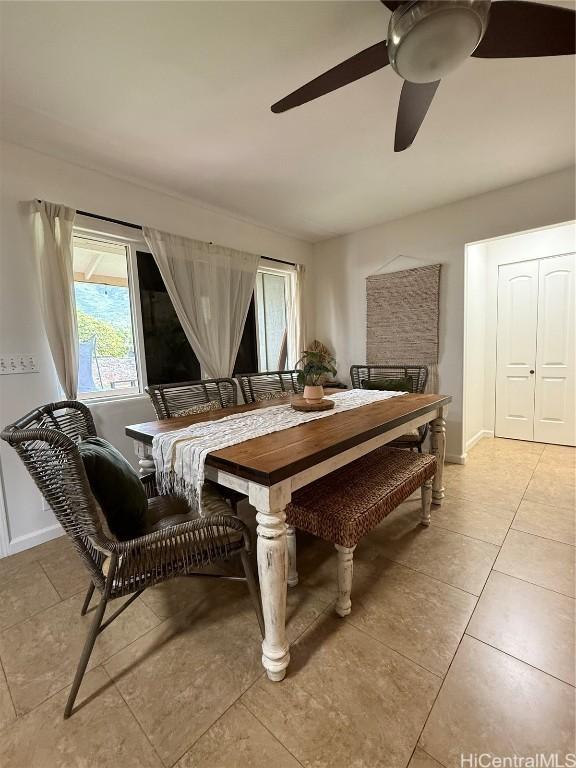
[[555, 416], [516, 350]]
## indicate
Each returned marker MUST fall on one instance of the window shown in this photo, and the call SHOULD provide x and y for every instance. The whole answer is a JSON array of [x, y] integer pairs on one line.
[[120, 297], [169, 356], [107, 361], [273, 291]]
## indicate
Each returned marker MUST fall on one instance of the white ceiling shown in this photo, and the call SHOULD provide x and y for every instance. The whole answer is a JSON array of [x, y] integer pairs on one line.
[[176, 95]]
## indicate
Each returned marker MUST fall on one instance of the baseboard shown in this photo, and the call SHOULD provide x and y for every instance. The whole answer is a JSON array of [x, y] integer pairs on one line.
[[21, 543], [455, 458], [477, 437]]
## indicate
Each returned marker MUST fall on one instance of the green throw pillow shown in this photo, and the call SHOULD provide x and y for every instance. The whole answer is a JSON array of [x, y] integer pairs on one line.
[[116, 486], [390, 385]]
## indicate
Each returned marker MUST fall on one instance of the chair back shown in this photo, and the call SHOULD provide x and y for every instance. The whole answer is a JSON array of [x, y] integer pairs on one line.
[[46, 441], [169, 399], [260, 386], [418, 374]]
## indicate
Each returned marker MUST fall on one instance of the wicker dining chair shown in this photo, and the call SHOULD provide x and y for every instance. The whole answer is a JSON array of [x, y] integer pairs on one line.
[[186, 397], [175, 542], [191, 397], [268, 384], [419, 375]]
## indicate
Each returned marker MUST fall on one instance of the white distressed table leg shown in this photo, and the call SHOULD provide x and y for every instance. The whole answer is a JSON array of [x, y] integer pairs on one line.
[[426, 502], [272, 554], [438, 444], [292, 561], [345, 573], [145, 460]]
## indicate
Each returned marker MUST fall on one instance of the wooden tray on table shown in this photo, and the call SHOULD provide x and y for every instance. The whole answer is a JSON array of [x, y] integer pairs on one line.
[[301, 404]]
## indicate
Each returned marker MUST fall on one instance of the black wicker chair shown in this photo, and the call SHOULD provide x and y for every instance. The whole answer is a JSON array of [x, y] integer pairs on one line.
[[176, 542], [170, 400], [419, 376], [268, 384]]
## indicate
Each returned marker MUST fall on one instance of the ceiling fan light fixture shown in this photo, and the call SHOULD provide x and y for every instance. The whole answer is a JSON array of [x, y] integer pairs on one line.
[[427, 39]]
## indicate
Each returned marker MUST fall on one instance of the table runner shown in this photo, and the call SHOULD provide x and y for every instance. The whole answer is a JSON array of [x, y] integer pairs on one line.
[[180, 456]]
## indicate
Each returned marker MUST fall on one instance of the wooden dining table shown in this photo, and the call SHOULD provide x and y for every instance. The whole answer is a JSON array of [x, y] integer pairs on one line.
[[270, 468]]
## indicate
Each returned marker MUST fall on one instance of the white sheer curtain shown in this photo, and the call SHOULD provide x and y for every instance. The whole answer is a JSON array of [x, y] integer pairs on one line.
[[53, 249], [296, 318], [210, 288]]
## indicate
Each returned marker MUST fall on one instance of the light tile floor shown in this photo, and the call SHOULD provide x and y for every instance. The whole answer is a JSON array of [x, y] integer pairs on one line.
[[460, 641]]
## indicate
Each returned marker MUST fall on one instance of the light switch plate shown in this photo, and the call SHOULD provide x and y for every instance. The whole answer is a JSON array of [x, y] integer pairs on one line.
[[19, 363]]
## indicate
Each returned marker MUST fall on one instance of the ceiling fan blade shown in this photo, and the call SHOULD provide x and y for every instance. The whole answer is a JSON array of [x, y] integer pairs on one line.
[[518, 29], [414, 102], [359, 65], [392, 4]]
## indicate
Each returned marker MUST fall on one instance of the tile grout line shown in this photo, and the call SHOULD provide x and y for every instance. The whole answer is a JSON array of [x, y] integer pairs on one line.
[[533, 583], [510, 528], [539, 536], [522, 661], [196, 740], [62, 599], [447, 673], [403, 655], [3, 671], [101, 663], [33, 615], [346, 620], [128, 707], [464, 634], [255, 716], [429, 755], [467, 535], [220, 716], [435, 578], [492, 569], [316, 620], [235, 701]]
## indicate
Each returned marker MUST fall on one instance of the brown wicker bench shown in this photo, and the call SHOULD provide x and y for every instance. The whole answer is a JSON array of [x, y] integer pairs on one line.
[[345, 505]]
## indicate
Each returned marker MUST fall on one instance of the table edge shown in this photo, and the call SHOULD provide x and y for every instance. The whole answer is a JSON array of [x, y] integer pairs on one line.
[[271, 478]]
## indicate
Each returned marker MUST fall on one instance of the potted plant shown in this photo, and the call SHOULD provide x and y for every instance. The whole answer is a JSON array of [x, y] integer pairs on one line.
[[312, 368]]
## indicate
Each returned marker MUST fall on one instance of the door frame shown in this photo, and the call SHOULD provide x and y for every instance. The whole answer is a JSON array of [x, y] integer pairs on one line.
[[563, 236]]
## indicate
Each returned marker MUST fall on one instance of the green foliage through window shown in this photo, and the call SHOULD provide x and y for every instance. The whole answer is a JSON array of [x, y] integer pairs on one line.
[[110, 341]]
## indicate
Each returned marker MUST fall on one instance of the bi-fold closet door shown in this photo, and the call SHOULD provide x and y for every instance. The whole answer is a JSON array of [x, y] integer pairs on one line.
[[535, 381]]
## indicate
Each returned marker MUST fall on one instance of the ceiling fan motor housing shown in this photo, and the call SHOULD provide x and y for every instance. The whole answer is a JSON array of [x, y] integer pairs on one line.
[[427, 39]]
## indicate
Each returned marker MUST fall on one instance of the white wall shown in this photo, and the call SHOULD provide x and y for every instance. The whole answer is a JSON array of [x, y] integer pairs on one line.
[[481, 311], [435, 236], [474, 343], [26, 175]]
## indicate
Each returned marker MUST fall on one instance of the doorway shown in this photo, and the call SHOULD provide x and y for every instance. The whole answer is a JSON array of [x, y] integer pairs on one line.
[[512, 403], [535, 390]]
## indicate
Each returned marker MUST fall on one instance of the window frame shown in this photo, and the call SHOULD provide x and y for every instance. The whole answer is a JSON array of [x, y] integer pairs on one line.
[[289, 273], [119, 235]]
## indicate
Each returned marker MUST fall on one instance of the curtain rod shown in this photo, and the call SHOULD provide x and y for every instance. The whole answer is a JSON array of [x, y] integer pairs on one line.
[[139, 226]]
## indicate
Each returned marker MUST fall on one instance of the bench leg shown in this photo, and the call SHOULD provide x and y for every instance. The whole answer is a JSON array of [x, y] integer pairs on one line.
[[426, 502], [345, 572], [291, 546]]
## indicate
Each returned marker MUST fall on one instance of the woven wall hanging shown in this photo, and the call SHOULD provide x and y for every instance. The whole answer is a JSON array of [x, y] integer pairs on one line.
[[402, 319]]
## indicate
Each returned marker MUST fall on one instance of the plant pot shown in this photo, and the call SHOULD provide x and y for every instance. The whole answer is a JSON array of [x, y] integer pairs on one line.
[[313, 393]]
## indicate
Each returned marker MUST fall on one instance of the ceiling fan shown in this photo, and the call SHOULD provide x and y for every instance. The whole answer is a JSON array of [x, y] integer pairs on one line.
[[427, 39]]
